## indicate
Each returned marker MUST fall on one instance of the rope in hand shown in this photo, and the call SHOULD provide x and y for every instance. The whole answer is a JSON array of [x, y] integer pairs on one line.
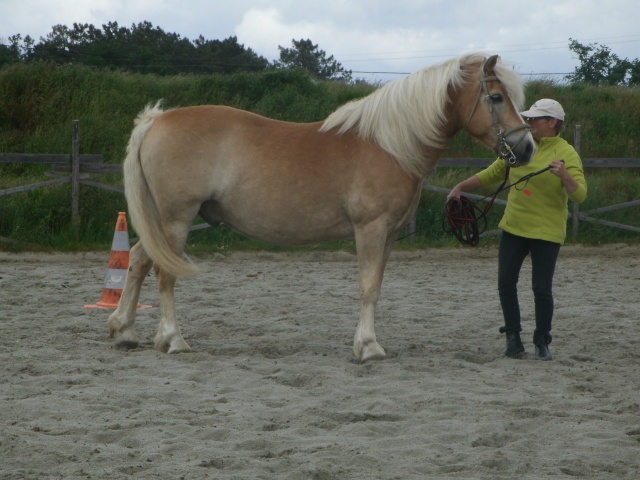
[[460, 214]]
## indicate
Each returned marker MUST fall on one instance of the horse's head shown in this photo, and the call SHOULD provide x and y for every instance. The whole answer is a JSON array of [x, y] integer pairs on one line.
[[492, 113]]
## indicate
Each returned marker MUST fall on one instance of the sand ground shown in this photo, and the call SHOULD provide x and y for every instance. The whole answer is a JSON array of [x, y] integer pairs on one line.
[[272, 390]]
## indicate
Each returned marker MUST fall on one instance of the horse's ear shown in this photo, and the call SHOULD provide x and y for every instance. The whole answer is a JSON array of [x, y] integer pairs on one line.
[[490, 63]]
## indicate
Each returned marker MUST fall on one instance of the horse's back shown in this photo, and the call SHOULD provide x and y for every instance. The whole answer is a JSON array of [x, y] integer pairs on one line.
[[214, 120]]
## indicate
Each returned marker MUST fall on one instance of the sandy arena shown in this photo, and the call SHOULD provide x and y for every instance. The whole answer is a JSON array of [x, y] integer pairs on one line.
[[272, 389]]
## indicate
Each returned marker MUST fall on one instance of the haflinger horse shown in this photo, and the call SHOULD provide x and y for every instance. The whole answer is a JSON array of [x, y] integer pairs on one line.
[[357, 174]]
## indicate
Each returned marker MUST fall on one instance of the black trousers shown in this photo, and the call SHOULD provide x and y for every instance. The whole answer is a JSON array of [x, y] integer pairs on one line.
[[544, 254]]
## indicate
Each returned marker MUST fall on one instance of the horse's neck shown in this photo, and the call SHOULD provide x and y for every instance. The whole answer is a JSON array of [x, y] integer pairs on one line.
[[431, 156]]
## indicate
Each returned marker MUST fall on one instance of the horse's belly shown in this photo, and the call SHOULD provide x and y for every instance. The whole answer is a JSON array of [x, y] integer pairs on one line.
[[292, 234], [290, 225]]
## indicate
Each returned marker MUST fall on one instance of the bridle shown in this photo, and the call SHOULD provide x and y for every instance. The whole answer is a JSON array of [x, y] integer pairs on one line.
[[462, 217], [502, 148]]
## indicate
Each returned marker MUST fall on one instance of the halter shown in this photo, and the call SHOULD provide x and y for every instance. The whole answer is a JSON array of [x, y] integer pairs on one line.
[[502, 148]]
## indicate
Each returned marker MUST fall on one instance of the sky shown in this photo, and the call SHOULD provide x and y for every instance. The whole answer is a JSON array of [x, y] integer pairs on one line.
[[377, 40]]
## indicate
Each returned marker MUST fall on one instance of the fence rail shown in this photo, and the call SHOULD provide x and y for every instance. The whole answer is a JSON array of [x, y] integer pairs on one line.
[[76, 169], [575, 215]]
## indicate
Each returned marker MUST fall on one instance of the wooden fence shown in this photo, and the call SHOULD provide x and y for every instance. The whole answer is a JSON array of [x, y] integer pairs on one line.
[[74, 168], [77, 169], [575, 215]]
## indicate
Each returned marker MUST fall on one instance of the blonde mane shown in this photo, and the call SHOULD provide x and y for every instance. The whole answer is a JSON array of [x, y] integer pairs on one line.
[[406, 115]]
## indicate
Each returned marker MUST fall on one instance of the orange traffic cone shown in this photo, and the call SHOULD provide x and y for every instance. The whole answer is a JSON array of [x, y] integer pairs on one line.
[[117, 268]]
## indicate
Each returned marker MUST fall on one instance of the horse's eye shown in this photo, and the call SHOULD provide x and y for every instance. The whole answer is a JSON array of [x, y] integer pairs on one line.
[[496, 97]]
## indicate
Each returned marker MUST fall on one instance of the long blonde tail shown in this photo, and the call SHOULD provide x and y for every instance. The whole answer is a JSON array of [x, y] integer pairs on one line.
[[141, 205]]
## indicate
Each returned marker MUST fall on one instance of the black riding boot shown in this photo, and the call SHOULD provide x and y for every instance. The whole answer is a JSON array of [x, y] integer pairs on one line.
[[514, 344], [542, 351]]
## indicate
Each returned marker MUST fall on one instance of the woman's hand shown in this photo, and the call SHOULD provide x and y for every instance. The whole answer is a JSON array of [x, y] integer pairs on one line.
[[467, 185], [454, 193], [558, 169]]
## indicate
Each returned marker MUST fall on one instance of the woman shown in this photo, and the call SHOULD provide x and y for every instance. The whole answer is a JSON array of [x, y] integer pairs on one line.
[[534, 221]]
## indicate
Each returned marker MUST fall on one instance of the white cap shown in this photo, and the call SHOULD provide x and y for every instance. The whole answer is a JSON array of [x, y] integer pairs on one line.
[[545, 108]]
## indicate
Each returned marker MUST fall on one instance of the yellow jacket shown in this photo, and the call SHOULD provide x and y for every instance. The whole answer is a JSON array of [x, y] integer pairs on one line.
[[538, 208]]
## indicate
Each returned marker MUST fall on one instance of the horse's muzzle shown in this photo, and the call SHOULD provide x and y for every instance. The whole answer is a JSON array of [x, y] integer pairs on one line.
[[516, 146]]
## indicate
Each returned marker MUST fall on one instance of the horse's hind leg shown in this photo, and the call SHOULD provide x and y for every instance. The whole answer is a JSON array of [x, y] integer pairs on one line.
[[168, 339], [374, 247], [121, 322]]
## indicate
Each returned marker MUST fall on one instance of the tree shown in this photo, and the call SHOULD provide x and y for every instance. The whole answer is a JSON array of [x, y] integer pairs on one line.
[[634, 73], [10, 53], [142, 48], [228, 56], [599, 66], [307, 56]]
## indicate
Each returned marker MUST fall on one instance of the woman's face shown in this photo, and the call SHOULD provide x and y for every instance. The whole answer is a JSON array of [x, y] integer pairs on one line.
[[542, 126]]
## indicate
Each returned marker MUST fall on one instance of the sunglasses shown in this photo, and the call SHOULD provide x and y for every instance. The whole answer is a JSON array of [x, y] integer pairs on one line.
[[533, 119]]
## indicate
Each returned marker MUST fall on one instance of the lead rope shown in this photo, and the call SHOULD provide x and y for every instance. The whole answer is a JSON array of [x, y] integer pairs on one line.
[[460, 214]]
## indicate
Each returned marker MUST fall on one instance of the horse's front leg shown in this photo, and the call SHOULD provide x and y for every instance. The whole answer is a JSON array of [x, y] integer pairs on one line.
[[121, 322], [168, 339], [374, 246]]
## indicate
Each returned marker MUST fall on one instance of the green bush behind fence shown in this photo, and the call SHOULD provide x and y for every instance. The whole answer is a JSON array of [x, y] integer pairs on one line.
[[39, 101]]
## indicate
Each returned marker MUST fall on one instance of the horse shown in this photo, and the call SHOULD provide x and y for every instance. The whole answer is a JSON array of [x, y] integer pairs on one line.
[[357, 174]]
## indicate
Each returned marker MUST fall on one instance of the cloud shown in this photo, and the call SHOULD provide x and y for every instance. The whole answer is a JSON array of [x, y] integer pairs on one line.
[[265, 30], [364, 35], [361, 48]]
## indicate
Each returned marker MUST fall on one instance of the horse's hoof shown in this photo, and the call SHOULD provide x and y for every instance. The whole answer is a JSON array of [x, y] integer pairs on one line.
[[183, 347], [372, 351], [126, 337], [114, 325], [177, 345]]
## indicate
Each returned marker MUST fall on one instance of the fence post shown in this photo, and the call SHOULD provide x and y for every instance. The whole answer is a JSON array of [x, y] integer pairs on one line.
[[75, 176], [577, 140]]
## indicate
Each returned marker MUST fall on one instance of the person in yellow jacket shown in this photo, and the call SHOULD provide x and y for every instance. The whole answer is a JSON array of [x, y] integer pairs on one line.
[[534, 221]]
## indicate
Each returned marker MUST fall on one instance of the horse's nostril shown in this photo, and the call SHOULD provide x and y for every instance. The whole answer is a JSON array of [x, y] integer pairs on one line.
[[529, 150]]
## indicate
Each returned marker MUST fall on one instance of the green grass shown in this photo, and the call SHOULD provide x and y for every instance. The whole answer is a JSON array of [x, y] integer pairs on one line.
[[38, 103]]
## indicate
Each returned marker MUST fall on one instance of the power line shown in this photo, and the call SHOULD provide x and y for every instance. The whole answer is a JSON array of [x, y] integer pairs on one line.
[[518, 47], [542, 74]]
